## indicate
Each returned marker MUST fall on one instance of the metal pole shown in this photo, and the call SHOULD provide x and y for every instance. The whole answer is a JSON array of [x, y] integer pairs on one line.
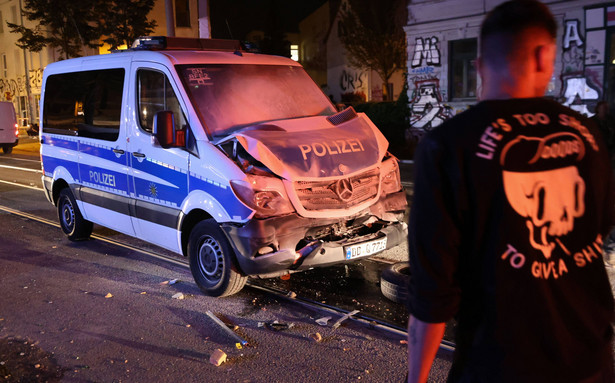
[[30, 115], [204, 25], [168, 9]]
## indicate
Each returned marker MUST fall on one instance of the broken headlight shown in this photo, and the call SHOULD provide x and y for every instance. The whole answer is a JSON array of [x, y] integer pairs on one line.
[[391, 181], [265, 195]]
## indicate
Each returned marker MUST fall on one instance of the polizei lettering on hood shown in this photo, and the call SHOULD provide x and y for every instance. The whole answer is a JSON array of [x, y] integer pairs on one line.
[[331, 148]]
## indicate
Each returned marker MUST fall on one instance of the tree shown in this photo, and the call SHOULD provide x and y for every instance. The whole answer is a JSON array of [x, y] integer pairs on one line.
[[71, 25], [373, 36], [125, 20], [66, 25]]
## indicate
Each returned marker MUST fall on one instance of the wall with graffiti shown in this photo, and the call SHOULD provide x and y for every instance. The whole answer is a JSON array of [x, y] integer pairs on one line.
[[581, 87], [578, 80]]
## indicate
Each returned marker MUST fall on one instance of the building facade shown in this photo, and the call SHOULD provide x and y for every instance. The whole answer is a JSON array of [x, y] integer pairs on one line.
[[347, 82], [443, 47], [21, 71]]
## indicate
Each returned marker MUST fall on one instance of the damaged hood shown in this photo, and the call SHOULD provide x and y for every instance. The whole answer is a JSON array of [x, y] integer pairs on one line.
[[313, 147]]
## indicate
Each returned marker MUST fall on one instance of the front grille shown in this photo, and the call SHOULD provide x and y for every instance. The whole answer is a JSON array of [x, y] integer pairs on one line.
[[320, 195]]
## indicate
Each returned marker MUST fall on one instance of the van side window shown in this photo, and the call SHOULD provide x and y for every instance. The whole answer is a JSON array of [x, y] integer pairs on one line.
[[155, 94], [86, 104]]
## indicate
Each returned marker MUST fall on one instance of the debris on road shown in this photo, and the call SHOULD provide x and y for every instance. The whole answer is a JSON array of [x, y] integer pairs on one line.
[[178, 296], [339, 321], [316, 336], [277, 326], [217, 357], [109, 295], [323, 321], [291, 295], [225, 328], [170, 282]]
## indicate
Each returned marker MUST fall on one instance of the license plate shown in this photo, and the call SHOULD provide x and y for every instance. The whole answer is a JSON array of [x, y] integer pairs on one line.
[[366, 248]]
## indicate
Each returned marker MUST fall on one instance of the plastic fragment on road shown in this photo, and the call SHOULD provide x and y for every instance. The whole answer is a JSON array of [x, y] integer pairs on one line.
[[323, 321], [173, 281], [178, 296], [316, 337], [217, 357], [277, 326], [109, 295], [291, 295], [225, 328], [339, 321]]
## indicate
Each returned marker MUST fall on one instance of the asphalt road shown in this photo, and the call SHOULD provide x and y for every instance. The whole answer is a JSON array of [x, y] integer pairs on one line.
[[98, 312]]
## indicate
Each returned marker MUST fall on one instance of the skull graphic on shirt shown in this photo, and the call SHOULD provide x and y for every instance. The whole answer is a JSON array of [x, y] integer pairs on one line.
[[550, 201]]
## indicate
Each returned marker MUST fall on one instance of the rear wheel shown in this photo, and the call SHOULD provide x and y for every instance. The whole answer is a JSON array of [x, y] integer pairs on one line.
[[72, 222], [211, 261], [7, 149]]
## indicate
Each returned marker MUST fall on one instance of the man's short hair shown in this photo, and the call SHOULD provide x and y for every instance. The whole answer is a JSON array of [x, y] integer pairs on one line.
[[506, 23]]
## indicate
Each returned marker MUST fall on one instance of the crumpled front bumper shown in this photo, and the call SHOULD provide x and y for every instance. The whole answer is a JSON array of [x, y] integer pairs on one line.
[[268, 247]]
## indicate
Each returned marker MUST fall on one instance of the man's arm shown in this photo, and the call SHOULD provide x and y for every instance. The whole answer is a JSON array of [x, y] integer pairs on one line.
[[423, 342]]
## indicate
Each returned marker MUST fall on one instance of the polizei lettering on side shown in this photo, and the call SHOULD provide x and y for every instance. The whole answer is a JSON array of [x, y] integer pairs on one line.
[[102, 178], [333, 147]]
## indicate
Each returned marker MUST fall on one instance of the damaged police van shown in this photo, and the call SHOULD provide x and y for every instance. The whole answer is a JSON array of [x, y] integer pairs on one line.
[[236, 160]]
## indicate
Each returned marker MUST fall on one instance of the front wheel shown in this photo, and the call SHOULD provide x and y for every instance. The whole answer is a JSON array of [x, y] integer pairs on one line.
[[72, 222], [211, 261], [7, 149]]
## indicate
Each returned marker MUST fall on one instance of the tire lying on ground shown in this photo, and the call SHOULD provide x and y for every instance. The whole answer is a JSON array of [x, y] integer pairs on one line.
[[394, 281]]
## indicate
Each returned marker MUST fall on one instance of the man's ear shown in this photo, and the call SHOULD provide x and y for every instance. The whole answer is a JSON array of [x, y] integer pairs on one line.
[[544, 56]]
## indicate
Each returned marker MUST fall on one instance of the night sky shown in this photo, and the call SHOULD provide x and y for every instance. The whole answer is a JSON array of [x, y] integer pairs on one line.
[[243, 16]]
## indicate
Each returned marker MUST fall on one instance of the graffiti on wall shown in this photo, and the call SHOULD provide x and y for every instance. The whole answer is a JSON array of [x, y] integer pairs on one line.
[[10, 88], [426, 49], [426, 107], [578, 89], [351, 81]]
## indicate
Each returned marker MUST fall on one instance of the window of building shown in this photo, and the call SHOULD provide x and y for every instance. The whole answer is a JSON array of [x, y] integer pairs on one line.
[[1, 23], [462, 69], [155, 94], [85, 104], [294, 52], [182, 13], [14, 14]]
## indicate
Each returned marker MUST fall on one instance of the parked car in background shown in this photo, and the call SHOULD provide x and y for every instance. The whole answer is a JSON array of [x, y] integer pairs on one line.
[[9, 129]]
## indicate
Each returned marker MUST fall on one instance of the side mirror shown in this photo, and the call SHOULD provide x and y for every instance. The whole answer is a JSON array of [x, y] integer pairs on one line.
[[164, 130]]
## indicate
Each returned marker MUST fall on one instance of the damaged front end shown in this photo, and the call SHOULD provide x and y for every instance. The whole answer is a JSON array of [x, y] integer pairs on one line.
[[302, 220]]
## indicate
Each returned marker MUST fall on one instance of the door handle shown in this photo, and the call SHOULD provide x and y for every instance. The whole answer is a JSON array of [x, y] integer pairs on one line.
[[118, 151], [138, 155]]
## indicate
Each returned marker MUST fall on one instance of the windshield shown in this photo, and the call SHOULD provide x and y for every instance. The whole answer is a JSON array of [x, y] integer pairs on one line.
[[231, 96]]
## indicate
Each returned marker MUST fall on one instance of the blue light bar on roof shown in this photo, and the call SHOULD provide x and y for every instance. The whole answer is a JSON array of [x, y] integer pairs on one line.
[[185, 43]]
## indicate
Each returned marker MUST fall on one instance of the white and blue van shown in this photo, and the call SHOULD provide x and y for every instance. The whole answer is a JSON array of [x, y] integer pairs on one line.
[[236, 160]]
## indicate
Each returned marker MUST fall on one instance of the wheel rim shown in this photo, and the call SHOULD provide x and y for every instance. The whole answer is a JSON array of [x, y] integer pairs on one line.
[[210, 259], [68, 214]]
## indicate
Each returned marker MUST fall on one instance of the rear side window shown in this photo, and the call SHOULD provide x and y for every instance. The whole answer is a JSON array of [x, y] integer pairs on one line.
[[85, 104]]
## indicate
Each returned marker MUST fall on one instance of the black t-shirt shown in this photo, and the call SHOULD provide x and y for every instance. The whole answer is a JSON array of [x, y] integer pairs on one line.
[[512, 201]]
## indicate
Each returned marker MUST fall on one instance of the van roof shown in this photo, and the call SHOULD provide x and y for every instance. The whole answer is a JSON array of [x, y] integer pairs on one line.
[[165, 57]]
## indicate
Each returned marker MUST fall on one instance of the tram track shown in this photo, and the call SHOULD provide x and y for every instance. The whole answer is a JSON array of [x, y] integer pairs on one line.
[[254, 284]]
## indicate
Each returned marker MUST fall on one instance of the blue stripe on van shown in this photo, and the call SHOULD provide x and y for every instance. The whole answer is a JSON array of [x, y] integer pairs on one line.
[[223, 194], [51, 163]]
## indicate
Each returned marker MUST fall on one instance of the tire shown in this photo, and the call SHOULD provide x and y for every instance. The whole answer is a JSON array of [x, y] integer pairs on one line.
[[394, 282], [211, 261], [7, 149], [72, 222]]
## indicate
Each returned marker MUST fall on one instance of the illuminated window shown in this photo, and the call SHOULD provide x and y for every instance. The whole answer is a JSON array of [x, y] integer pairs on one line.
[[294, 52]]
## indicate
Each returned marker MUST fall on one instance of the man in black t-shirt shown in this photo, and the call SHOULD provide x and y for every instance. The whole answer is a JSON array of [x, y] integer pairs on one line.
[[512, 201]]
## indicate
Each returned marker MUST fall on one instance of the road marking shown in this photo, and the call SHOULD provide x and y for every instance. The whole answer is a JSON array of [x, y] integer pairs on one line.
[[95, 236], [24, 169], [20, 185], [20, 159]]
